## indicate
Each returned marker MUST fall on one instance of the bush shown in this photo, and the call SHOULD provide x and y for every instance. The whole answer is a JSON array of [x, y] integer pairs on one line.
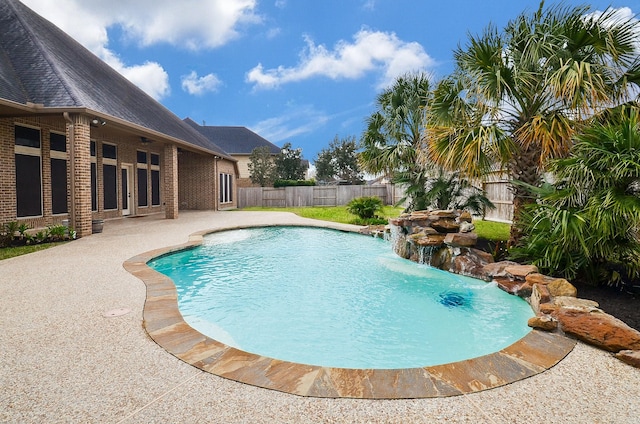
[[293, 183], [365, 207], [14, 234], [585, 225]]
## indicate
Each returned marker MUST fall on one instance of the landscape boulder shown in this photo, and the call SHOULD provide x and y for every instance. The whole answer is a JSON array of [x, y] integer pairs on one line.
[[631, 357], [598, 328], [543, 322]]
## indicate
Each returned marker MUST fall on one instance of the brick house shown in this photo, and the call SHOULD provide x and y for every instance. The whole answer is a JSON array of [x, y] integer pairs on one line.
[[79, 142], [239, 142]]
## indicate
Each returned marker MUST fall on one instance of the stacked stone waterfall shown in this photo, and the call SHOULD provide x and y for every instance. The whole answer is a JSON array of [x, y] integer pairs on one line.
[[443, 239]]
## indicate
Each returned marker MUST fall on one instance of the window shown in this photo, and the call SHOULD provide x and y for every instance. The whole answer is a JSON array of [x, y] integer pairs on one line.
[[58, 173], [28, 159], [226, 188], [109, 176], [143, 191], [94, 178], [155, 179]]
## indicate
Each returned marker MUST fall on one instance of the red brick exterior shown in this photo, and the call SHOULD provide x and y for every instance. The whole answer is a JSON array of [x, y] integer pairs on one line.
[[196, 181], [78, 138], [187, 180], [171, 181], [198, 178], [7, 172]]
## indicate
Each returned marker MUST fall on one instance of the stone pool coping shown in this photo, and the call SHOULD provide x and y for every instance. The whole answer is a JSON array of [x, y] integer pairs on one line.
[[531, 355]]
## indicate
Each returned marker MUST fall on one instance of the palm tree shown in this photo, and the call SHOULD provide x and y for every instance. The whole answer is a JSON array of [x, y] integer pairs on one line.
[[517, 97], [447, 190], [394, 132]]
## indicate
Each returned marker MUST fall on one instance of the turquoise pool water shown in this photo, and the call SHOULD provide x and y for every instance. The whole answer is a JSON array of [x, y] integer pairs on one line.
[[330, 298]]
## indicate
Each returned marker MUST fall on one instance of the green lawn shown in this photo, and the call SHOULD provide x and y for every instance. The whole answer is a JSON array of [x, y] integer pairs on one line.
[[496, 231], [10, 252], [330, 213], [485, 229]]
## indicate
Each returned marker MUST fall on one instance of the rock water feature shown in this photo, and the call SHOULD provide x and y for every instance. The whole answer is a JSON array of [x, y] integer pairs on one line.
[[445, 239]]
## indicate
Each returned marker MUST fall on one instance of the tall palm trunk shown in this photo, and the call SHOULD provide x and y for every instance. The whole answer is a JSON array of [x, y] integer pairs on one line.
[[524, 167]]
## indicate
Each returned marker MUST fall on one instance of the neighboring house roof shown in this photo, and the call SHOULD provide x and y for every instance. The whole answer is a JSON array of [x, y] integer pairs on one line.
[[42, 65], [234, 140]]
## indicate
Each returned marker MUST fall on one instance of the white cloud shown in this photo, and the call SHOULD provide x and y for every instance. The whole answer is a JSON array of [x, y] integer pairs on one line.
[[195, 85], [296, 121], [370, 51], [369, 4], [273, 33], [618, 15], [193, 24]]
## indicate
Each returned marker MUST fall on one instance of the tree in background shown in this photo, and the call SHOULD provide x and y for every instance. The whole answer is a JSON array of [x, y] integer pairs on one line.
[[517, 97], [288, 164], [339, 162], [261, 166], [394, 134]]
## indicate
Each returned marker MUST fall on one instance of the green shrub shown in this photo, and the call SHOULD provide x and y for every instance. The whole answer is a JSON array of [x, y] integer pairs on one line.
[[293, 183], [365, 207], [585, 225]]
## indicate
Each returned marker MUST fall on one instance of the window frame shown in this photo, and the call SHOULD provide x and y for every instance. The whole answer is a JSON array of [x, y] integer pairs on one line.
[[31, 152], [109, 162], [58, 156]]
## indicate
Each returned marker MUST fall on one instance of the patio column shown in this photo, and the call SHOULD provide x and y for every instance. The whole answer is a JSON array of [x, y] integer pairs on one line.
[[78, 134], [170, 181]]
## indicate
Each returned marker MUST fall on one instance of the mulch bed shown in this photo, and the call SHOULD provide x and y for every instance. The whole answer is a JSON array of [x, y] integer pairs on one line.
[[620, 303]]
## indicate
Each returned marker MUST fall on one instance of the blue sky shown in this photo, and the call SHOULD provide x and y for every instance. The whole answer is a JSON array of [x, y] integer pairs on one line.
[[292, 71]]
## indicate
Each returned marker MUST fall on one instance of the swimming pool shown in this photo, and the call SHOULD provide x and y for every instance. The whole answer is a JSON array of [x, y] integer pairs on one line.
[[328, 298]]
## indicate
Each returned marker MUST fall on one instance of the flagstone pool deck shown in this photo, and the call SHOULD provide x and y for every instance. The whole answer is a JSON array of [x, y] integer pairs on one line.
[[67, 355]]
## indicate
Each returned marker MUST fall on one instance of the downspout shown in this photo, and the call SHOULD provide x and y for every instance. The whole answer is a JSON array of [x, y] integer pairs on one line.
[[216, 183], [72, 169]]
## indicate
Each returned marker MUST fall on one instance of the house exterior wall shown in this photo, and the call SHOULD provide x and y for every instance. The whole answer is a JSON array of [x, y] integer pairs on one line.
[[79, 186], [228, 168], [7, 172], [171, 181], [196, 181], [8, 199], [199, 180]]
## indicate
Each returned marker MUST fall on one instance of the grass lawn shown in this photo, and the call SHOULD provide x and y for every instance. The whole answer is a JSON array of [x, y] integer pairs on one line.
[[330, 213], [10, 252], [494, 231], [489, 230]]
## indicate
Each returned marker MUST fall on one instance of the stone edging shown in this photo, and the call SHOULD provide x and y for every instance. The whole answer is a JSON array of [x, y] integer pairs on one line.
[[531, 355]]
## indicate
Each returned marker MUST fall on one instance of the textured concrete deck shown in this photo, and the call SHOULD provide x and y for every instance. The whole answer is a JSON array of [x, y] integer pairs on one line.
[[63, 360]]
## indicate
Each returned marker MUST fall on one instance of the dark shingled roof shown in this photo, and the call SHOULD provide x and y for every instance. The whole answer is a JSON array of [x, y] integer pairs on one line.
[[234, 140], [41, 64]]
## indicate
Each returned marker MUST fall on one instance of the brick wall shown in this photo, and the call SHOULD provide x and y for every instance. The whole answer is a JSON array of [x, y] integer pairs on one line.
[[7, 172], [196, 181], [187, 180], [171, 199], [127, 147]]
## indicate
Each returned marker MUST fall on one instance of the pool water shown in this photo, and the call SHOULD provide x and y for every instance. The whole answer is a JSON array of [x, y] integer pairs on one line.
[[329, 298]]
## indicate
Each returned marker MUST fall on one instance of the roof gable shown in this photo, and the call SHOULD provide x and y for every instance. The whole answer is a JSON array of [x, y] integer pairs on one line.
[[43, 65], [234, 140]]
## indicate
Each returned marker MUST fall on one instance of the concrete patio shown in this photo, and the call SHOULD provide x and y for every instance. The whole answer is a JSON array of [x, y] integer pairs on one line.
[[63, 360]]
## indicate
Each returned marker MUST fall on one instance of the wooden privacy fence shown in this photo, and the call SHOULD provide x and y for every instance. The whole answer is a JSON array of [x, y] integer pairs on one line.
[[308, 195], [496, 190]]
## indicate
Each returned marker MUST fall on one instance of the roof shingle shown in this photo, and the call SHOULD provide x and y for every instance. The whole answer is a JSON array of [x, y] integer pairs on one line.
[[41, 64], [234, 140]]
